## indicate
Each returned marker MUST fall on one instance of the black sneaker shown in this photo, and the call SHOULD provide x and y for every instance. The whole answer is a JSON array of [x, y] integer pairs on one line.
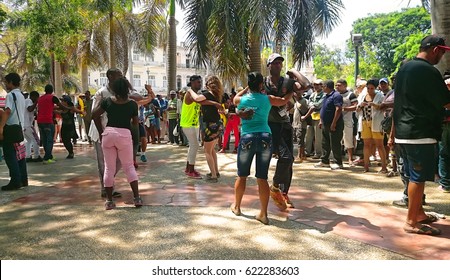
[[39, 159], [115, 194], [70, 156], [11, 187]]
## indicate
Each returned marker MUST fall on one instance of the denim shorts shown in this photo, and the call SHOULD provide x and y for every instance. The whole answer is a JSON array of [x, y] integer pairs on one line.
[[419, 161], [254, 144]]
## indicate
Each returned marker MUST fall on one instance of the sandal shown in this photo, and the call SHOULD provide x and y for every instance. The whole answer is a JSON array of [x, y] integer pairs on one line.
[[431, 218], [235, 211], [383, 171], [423, 229], [264, 220], [138, 202]]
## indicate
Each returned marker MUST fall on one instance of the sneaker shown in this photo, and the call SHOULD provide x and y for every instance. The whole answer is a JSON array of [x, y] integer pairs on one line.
[[49, 161], [372, 158], [444, 189], [143, 158], [401, 203], [321, 164], [138, 202], [278, 198], [337, 167], [194, 174], [38, 159], [115, 194], [288, 201], [109, 204], [70, 156]]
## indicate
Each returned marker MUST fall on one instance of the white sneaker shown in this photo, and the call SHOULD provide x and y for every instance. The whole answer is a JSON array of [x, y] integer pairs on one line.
[[337, 167], [321, 164]]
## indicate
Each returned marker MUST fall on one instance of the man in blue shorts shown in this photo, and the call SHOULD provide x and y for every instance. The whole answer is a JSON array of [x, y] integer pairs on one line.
[[420, 98]]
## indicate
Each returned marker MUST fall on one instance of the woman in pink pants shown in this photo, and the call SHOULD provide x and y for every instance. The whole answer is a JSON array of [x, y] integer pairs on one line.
[[116, 139]]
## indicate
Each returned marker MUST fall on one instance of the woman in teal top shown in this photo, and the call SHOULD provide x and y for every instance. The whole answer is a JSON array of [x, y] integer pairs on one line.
[[256, 140]]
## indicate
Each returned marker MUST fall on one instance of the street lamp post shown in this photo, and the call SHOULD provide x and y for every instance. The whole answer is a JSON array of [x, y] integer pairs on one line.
[[357, 42]]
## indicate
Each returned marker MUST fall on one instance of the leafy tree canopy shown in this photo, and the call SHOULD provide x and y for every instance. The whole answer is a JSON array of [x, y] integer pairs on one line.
[[384, 33]]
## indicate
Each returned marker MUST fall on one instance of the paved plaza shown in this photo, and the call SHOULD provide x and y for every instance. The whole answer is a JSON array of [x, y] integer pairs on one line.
[[338, 215]]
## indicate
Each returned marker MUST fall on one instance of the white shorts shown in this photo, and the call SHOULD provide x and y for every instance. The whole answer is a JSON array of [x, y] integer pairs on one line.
[[348, 137]]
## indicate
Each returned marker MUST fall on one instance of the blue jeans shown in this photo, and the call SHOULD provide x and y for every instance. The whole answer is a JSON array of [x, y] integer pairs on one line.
[[283, 144], [251, 145], [419, 162], [47, 131], [444, 157], [17, 168]]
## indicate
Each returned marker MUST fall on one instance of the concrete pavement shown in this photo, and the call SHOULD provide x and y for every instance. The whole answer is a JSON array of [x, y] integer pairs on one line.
[[339, 215]]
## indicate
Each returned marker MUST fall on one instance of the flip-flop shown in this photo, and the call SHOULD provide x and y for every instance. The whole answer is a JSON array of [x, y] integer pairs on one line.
[[430, 219], [424, 229]]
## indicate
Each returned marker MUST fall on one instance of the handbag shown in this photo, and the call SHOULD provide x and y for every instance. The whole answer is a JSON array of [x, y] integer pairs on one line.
[[386, 124], [176, 130], [13, 133]]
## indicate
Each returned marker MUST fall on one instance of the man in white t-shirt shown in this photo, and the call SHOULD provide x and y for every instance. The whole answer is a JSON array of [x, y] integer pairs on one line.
[[28, 128], [13, 115]]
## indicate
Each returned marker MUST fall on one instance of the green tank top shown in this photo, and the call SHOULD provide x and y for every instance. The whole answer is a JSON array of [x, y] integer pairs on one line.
[[189, 114]]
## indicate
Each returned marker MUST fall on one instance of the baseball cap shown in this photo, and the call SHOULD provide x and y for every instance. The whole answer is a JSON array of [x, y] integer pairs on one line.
[[173, 92], [193, 78], [434, 41], [273, 57], [318, 82], [384, 80]]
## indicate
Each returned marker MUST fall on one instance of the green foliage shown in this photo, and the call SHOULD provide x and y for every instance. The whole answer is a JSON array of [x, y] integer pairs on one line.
[[53, 25], [328, 63], [2, 16], [408, 50], [384, 33]]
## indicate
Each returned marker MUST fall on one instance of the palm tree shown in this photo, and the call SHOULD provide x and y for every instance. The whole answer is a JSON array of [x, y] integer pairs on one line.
[[172, 48], [232, 32]]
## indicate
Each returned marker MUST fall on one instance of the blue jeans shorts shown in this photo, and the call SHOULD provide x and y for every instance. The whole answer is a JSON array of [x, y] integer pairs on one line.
[[254, 144], [419, 161]]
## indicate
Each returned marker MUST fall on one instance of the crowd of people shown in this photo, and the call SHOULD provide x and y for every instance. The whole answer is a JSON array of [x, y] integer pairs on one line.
[[401, 123]]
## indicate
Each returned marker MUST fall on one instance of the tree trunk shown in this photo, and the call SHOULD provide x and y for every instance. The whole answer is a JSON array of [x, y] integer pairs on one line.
[[172, 50], [112, 47], [254, 53], [84, 76], [440, 21], [58, 79]]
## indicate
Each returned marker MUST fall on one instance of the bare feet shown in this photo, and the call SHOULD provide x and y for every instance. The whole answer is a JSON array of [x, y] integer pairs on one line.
[[263, 219], [236, 211]]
